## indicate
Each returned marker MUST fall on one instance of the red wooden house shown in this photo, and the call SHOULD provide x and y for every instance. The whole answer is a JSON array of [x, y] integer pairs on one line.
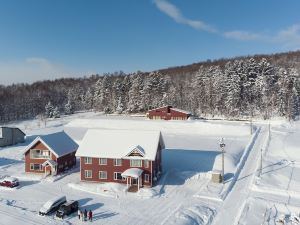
[[50, 154], [168, 113], [121, 156]]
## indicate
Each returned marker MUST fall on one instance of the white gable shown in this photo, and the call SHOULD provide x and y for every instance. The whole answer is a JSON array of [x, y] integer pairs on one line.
[[119, 144], [59, 143], [137, 150]]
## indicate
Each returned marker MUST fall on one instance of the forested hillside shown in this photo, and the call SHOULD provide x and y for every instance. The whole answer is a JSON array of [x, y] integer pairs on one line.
[[260, 86]]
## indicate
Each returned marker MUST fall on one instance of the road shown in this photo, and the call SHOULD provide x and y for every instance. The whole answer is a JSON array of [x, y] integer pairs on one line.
[[235, 201]]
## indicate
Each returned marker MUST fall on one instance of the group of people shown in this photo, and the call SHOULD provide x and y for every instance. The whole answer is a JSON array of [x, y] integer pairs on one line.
[[85, 215]]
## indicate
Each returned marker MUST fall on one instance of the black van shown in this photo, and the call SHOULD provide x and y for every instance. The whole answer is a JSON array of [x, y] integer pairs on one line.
[[67, 209]]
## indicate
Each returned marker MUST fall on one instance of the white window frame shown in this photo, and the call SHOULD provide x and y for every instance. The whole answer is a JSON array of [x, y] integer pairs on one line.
[[146, 163], [116, 178], [148, 178], [86, 172], [1, 132], [32, 166], [117, 160], [43, 154], [101, 163], [102, 172], [88, 160], [133, 163]]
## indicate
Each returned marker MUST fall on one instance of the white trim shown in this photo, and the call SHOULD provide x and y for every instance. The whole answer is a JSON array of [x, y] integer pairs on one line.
[[44, 143], [41, 150], [41, 166], [123, 178], [141, 162], [139, 149], [102, 164], [48, 147], [88, 163], [85, 171], [115, 160], [105, 172], [147, 180]]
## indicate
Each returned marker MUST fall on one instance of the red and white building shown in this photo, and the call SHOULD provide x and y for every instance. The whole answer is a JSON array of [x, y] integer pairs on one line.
[[121, 156], [50, 154], [168, 113]]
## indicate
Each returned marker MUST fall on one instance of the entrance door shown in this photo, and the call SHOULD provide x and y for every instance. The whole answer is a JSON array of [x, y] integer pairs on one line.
[[134, 181]]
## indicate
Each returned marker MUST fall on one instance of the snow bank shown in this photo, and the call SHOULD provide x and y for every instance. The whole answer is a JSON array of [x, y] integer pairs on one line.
[[106, 189]]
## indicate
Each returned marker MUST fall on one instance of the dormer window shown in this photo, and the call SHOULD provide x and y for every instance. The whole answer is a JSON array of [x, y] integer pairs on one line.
[[137, 151]]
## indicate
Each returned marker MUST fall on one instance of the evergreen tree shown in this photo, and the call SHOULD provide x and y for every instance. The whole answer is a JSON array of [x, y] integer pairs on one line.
[[69, 109], [56, 113], [49, 109]]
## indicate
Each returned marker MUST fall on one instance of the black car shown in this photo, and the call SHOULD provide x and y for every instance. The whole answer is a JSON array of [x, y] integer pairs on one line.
[[67, 209]]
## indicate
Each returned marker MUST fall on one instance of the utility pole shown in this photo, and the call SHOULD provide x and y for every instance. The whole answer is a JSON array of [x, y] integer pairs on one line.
[[222, 146]]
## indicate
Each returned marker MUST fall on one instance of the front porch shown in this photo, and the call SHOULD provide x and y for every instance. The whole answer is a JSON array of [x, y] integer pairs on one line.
[[133, 178], [50, 167]]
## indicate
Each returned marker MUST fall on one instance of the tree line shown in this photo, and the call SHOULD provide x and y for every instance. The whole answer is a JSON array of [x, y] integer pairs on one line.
[[237, 88]]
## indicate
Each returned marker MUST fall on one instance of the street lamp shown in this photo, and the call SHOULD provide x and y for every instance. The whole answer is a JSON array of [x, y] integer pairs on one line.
[[222, 146]]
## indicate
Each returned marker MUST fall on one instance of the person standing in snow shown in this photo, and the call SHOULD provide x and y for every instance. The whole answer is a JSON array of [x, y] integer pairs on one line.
[[79, 213], [85, 215], [90, 216]]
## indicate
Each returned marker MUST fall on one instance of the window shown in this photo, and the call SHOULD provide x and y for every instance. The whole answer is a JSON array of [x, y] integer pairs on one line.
[[88, 174], [102, 175], [39, 154], [102, 161], [118, 176], [135, 163], [1, 135], [117, 162], [34, 166], [87, 160], [146, 164], [146, 178]]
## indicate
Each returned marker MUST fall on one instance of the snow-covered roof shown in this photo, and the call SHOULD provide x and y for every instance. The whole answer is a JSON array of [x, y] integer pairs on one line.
[[119, 143], [59, 143], [181, 110], [132, 172], [50, 162]]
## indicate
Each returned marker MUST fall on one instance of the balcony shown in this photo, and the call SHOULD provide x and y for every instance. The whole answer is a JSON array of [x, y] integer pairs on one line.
[[39, 154]]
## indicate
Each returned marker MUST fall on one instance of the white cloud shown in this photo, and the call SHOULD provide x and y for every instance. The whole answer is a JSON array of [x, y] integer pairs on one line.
[[288, 37], [243, 35], [32, 69], [173, 12]]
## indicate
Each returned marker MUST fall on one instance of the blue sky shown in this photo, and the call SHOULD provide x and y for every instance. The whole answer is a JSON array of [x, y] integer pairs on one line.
[[42, 39]]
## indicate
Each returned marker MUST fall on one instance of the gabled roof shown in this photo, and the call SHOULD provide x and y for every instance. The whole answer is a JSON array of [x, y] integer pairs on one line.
[[162, 107], [119, 143], [182, 111], [59, 143], [137, 149], [13, 128]]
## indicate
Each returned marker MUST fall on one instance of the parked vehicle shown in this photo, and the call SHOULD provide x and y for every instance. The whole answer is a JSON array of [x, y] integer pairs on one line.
[[67, 209], [9, 182], [52, 205]]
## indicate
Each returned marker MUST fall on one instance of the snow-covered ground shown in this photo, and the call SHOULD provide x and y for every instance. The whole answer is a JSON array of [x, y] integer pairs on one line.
[[184, 194]]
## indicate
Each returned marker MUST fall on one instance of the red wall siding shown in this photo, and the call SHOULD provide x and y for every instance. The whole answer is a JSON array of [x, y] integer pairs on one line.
[[61, 161], [167, 113], [66, 162], [28, 160], [111, 169]]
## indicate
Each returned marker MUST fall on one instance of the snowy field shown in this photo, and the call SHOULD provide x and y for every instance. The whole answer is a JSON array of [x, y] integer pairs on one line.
[[275, 194], [184, 194]]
